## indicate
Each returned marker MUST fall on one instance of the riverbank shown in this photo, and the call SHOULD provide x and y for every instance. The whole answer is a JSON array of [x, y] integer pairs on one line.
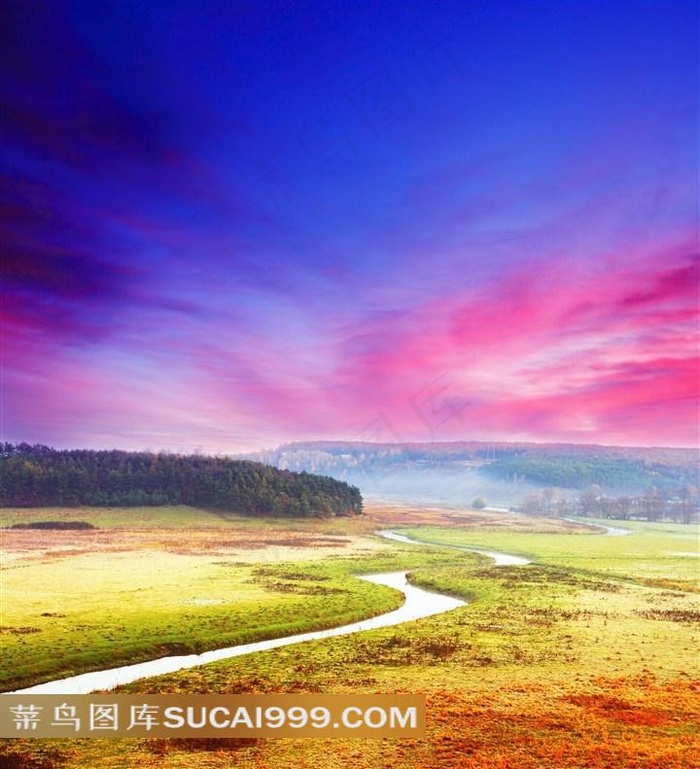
[[591, 664], [417, 604]]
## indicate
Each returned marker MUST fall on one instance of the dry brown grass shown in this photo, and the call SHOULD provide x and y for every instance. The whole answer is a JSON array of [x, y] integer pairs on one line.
[[23, 544], [395, 514]]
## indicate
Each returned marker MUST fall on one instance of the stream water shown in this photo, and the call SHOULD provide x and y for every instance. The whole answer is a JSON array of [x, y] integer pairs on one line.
[[499, 559], [611, 531], [418, 603]]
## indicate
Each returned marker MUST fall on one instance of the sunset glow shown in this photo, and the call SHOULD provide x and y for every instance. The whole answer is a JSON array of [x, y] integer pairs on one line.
[[253, 223]]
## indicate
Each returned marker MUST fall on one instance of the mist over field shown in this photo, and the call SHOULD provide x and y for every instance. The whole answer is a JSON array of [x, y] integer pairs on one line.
[[502, 475], [294, 293]]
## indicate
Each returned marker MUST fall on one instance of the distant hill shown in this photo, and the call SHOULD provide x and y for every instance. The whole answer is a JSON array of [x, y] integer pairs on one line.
[[39, 476], [502, 473]]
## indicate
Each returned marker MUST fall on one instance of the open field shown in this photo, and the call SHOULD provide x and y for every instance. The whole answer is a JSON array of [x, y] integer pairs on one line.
[[75, 601], [586, 658], [661, 554]]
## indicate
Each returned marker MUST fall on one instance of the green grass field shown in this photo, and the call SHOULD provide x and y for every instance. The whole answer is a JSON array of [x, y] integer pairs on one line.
[[664, 554], [79, 601], [588, 657]]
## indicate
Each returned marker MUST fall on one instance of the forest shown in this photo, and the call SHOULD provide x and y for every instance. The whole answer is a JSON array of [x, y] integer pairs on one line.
[[653, 505], [40, 476], [616, 469], [578, 471]]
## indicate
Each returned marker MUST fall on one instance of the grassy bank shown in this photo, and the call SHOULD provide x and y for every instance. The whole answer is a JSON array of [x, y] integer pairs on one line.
[[662, 554], [585, 658], [76, 601]]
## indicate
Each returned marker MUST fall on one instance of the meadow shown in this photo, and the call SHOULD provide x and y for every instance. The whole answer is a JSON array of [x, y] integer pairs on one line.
[[587, 657]]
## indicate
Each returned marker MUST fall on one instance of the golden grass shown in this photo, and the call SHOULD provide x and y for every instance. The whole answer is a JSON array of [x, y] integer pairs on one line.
[[586, 659]]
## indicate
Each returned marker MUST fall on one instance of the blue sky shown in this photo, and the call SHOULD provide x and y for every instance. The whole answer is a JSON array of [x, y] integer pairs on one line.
[[231, 225]]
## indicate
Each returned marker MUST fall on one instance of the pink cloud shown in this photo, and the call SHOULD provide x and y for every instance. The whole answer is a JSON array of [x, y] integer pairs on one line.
[[591, 341]]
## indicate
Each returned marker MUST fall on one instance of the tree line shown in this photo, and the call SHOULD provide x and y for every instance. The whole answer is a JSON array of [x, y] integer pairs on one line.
[[654, 505], [579, 472], [617, 469], [40, 476]]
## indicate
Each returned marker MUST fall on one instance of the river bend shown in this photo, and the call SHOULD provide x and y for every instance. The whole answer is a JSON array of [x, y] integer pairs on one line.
[[418, 603]]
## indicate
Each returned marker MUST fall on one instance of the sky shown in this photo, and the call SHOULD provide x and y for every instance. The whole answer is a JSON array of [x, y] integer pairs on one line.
[[228, 226]]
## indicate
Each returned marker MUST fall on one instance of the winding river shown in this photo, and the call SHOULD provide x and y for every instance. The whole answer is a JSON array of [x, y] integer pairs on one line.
[[499, 559], [418, 603], [611, 531]]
